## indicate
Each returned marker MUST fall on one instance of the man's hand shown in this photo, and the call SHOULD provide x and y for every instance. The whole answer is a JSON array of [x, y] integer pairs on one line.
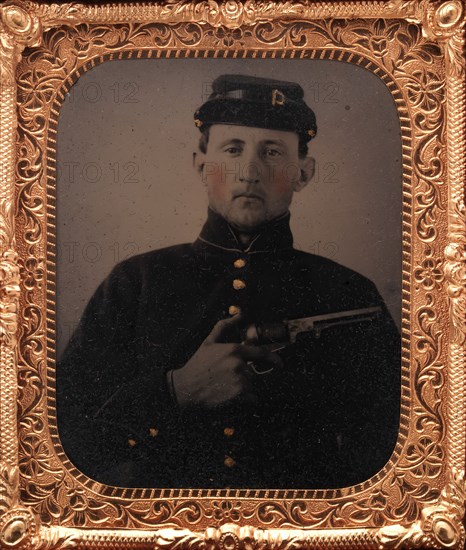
[[219, 372]]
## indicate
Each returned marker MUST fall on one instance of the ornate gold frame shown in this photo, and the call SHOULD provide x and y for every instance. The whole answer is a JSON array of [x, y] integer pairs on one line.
[[417, 48]]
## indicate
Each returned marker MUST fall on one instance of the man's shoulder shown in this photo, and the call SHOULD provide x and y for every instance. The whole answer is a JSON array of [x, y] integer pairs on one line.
[[168, 256], [155, 265], [323, 267]]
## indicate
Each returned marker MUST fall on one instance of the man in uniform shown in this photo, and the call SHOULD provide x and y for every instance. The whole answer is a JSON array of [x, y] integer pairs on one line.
[[167, 383]]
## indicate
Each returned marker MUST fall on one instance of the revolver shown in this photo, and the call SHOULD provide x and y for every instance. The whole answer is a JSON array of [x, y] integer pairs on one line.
[[277, 336]]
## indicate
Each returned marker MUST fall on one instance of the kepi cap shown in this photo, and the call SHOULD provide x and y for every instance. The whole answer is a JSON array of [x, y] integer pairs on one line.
[[260, 102]]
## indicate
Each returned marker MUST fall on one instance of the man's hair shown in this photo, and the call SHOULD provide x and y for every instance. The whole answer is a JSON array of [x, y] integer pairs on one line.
[[204, 140]]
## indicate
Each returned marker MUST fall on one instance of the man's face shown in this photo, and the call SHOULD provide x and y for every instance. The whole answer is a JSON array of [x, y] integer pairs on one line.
[[251, 173]]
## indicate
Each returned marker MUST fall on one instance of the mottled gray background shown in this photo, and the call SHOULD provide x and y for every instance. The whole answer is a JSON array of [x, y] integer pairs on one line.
[[126, 184]]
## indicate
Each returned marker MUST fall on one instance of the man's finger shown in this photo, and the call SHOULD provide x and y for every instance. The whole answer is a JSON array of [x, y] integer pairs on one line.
[[251, 353], [220, 328], [261, 365]]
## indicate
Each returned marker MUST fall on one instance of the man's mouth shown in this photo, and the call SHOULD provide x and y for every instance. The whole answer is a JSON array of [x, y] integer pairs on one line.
[[253, 196]]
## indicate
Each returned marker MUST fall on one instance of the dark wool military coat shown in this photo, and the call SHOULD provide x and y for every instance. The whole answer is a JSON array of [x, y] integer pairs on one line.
[[328, 418]]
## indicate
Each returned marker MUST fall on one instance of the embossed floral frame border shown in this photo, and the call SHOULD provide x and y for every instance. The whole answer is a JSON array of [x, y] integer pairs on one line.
[[417, 48]]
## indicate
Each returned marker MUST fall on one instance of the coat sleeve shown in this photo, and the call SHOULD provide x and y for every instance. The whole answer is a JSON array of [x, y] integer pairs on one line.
[[114, 406], [360, 373], [346, 384]]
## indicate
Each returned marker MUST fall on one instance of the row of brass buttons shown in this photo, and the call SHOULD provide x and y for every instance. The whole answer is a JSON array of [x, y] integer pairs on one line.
[[238, 284]]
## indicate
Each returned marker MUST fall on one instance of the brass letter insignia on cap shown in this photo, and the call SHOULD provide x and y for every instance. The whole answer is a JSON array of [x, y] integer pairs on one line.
[[278, 98]]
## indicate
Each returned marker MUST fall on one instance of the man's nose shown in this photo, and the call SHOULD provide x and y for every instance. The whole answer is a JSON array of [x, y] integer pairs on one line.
[[251, 169]]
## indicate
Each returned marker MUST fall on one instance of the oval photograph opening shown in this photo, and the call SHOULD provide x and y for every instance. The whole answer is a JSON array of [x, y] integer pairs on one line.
[[228, 273]]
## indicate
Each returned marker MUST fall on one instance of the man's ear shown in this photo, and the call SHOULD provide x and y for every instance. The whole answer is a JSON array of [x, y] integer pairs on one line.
[[307, 167], [198, 162]]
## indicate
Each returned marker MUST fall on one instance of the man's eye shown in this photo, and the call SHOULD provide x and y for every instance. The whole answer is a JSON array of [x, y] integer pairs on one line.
[[233, 150], [272, 153]]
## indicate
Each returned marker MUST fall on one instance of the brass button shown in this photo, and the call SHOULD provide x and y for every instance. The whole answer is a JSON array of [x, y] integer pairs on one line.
[[132, 442], [238, 284], [153, 432], [239, 263], [229, 431], [234, 310], [229, 462]]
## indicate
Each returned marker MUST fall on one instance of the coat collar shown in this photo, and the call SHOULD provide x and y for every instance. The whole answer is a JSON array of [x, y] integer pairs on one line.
[[271, 237]]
